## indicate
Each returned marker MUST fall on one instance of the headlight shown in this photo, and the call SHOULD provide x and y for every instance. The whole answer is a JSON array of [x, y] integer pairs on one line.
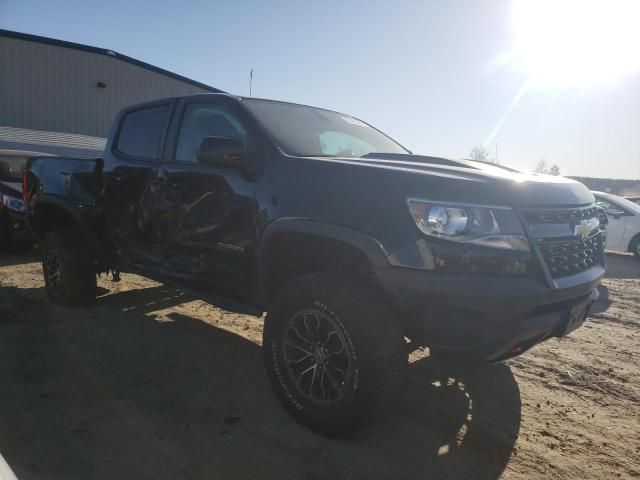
[[13, 203], [448, 221], [497, 227]]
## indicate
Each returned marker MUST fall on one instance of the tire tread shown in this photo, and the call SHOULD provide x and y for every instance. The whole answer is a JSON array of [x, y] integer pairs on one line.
[[378, 335], [80, 277]]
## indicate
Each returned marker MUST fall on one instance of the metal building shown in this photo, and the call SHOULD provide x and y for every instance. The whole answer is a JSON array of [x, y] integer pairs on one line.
[[61, 97]]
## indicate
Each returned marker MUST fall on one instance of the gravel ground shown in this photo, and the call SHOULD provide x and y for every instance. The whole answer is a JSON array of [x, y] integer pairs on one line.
[[151, 384]]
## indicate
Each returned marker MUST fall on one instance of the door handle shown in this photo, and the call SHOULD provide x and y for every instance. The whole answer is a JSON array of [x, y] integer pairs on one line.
[[163, 180]]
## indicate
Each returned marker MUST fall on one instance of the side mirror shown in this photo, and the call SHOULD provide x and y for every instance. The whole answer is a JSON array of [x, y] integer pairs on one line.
[[223, 151], [615, 213]]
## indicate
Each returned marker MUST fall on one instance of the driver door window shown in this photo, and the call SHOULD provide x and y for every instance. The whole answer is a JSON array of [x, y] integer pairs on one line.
[[202, 120]]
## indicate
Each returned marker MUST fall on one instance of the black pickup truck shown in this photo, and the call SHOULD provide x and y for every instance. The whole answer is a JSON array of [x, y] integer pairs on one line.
[[354, 246]]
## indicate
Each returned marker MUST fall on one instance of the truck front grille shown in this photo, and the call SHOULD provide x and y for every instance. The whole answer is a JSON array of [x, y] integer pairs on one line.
[[551, 230], [572, 215], [570, 256]]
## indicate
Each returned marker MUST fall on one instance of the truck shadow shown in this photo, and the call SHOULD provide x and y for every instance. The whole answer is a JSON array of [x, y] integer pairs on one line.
[[604, 302], [8, 259], [116, 391]]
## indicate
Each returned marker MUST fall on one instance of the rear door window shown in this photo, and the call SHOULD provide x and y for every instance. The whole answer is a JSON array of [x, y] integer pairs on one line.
[[141, 132]]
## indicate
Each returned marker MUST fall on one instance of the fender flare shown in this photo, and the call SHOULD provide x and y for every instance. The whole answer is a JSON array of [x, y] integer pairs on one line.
[[63, 204], [373, 250]]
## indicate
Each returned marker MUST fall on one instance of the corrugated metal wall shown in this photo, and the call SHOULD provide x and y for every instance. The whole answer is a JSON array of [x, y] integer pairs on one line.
[[65, 144], [47, 87]]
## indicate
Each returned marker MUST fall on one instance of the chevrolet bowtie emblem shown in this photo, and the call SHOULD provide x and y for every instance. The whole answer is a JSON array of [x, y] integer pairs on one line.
[[585, 227]]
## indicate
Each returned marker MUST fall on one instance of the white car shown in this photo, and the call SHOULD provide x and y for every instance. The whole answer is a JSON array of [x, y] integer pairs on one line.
[[623, 232], [5, 471]]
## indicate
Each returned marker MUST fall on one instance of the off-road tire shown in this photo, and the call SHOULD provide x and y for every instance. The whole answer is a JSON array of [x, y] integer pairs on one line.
[[375, 346], [77, 270]]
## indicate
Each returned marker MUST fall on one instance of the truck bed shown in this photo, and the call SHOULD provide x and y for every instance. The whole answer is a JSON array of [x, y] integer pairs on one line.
[[77, 180]]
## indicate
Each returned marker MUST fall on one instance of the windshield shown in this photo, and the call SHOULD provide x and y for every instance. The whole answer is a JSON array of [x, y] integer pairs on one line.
[[607, 202], [11, 168], [309, 131]]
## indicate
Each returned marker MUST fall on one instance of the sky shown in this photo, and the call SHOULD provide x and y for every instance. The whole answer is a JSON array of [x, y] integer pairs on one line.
[[440, 77]]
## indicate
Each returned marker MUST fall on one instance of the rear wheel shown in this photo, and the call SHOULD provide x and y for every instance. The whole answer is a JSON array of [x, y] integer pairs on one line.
[[334, 353], [68, 267]]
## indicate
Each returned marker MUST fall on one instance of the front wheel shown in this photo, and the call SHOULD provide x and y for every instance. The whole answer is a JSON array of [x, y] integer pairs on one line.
[[334, 353], [68, 268]]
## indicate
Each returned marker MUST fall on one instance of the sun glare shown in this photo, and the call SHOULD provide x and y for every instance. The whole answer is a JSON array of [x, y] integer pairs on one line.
[[577, 42]]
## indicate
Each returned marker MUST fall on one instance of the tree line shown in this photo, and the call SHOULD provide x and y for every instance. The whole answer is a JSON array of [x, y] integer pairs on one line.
[[481, 154]]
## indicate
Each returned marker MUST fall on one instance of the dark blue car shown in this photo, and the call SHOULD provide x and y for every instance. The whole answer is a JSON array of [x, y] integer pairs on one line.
[[15, 233]]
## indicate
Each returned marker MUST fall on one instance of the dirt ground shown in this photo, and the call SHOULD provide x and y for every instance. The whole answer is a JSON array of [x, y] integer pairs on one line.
[[151, 384]]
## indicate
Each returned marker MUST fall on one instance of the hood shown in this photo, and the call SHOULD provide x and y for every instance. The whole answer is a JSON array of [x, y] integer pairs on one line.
[[470, 181]]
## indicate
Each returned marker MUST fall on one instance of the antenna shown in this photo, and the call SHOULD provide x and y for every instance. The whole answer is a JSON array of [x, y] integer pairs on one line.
[[250, 81]]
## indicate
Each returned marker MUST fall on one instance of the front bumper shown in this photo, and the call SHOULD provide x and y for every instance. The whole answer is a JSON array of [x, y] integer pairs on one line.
[[523, 333], [485, 317]]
